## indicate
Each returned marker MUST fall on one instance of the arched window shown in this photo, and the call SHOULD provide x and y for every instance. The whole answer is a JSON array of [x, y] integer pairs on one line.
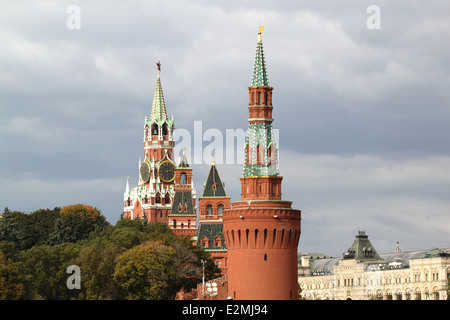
[[269, 154], [167, 198], [164, 129], [259, 98], [248, 154], [154, 129], [183, 178], [417, 294], [220, 209], [260, 151], [209, 210]]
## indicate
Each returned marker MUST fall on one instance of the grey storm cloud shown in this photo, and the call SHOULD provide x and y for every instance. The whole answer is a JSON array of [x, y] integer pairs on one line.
[[363, 115]]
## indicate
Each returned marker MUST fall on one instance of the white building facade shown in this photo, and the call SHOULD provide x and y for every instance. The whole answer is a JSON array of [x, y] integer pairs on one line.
[[411, 275]]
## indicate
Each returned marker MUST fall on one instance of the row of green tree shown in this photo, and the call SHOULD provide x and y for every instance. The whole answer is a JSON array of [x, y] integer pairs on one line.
[[128, 260]]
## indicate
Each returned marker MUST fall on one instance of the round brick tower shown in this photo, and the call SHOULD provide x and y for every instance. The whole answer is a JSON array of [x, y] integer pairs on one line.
[[261, 231]]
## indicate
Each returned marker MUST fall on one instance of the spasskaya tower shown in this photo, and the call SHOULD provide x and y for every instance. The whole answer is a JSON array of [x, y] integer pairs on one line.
[[159, 178]]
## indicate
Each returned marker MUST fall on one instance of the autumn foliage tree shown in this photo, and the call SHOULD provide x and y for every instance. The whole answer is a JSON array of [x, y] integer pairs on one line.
[[13, 281], [143, 271], [50, 227], [128, 260], [76, 222]]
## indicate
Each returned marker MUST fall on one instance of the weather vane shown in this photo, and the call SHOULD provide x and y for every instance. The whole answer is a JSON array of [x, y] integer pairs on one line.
[[261, 28], [158, 65]]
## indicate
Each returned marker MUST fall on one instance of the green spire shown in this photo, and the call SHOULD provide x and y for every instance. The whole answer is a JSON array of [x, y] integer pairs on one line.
[[260, 78], [158, 107], [261, 156]]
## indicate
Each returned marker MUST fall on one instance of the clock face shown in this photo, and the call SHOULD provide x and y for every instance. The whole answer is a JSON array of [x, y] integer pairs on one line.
[[145, 172], [166, 171]]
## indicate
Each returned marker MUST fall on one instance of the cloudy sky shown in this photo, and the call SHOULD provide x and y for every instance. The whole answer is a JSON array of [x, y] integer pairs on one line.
[[363, 114]]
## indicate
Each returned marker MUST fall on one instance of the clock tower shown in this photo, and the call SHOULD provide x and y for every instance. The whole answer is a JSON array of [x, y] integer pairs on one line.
[[152, 199]]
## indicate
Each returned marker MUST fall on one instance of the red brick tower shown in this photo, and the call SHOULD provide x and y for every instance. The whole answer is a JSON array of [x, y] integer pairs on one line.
[[152, 199], [183, 216], [213, 202], [261, 231]]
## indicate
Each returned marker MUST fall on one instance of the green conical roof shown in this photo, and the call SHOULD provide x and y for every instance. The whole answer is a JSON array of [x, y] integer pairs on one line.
[[260, 78], [158, 107], [214, 186], [362, 249]]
